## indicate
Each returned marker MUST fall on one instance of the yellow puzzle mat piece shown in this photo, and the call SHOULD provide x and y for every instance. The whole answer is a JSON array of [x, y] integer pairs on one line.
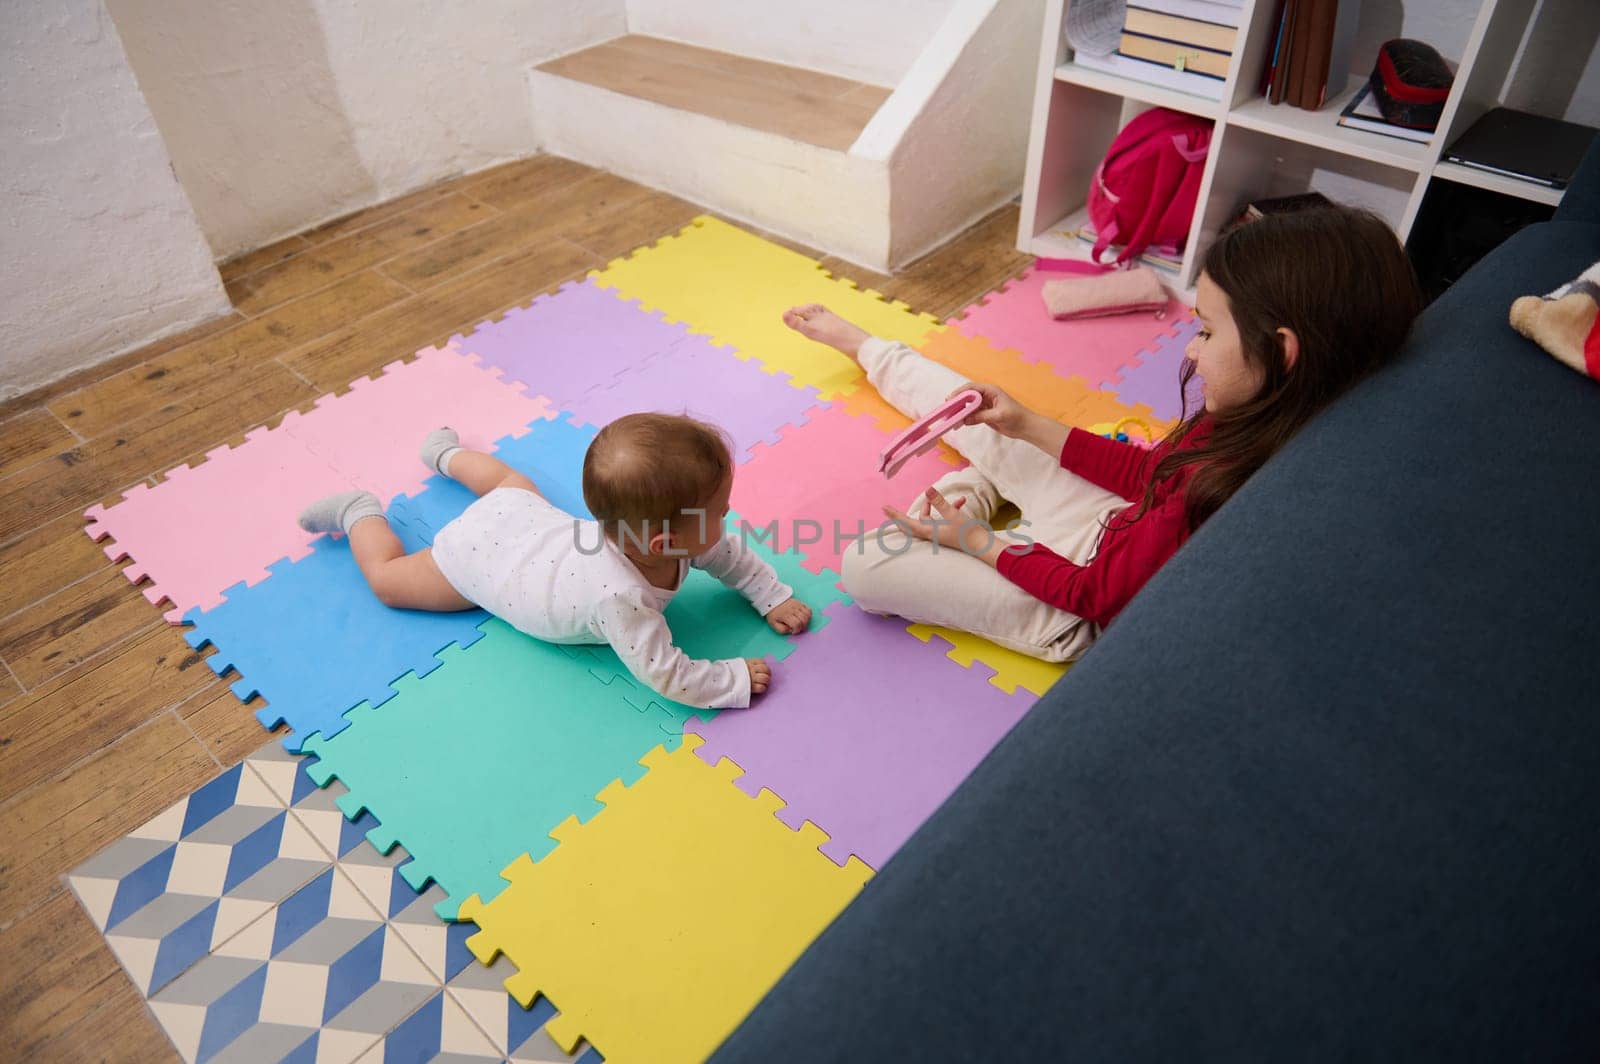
[[1011, 669], [658, 925], [733, 286]]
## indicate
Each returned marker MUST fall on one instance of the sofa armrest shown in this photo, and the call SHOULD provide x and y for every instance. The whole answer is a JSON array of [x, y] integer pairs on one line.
[[1581, 202]]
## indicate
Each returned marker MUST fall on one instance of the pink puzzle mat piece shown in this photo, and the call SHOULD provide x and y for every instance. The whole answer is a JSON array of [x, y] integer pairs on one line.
[[1152, 378], [697, 378], [1095, 349], [821, 483], [864, 732], [206, 528], [372, 433]]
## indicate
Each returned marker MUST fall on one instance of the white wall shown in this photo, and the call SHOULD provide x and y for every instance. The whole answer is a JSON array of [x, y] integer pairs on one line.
[[955, 132], [284, 114], [874, 41], [101, 250]]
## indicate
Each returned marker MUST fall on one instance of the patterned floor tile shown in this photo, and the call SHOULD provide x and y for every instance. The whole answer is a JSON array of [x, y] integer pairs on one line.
[[319, 977], [188, 880]]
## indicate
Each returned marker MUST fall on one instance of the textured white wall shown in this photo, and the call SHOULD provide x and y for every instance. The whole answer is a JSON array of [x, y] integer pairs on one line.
[[875, 41], [282, 115], [101, 251], [956, 130]]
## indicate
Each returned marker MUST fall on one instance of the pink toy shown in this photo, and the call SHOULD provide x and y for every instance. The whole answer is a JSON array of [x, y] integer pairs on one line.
[[925, 432]]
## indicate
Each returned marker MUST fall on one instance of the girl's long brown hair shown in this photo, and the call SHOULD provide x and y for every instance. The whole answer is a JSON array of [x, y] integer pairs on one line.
[[1335, 276]]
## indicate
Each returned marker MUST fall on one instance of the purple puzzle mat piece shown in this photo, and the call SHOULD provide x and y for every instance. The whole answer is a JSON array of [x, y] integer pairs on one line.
[[1152, 378], [564, 344], [864, 732], [697, 378]]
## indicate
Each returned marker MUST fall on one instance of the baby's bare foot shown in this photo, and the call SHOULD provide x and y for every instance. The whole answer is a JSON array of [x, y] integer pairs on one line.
[[816, 322]]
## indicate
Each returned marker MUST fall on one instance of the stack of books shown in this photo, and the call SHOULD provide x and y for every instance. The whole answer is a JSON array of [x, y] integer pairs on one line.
[[1310, 58], [1164, 257], [1179, 44], [1362, 112]]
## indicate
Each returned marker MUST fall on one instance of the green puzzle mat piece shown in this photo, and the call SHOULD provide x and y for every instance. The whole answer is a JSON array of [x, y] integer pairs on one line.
[[711, 621], [473, 764]]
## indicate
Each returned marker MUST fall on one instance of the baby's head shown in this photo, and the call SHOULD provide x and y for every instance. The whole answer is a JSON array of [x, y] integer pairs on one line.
[[659, 483]]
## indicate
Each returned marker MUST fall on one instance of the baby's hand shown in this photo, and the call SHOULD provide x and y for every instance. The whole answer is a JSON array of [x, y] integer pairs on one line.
[[789, 617], [760, 674]]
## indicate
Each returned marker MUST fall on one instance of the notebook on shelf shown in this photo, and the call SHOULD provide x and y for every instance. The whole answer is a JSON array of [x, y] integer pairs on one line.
[[1178, 56], [1220, 12], [1362, 113], [1517, 144], [1149, 22], [1123, 66]]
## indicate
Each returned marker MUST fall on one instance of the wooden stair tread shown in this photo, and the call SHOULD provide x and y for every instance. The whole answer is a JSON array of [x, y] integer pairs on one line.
[[802, 105]]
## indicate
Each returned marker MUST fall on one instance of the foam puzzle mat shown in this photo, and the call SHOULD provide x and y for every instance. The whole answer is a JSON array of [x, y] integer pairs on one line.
[[472, 845]]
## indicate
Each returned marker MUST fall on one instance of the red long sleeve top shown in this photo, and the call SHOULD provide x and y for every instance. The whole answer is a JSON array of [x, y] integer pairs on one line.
[[1128, 554]]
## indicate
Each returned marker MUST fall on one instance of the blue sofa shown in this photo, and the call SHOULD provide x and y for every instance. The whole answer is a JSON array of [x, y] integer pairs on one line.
[[1328, 789]]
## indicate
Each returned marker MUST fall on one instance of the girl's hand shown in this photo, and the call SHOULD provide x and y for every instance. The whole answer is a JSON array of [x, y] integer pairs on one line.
[[947, 525], [789, 617], [998, 410], [760, 675]]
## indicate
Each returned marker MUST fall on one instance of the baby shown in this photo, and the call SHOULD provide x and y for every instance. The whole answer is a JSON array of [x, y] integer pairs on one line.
[[658, 487]]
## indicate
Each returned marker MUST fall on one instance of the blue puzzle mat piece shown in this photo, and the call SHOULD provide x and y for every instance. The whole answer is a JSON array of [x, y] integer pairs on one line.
[[550, 454], [314, 641]]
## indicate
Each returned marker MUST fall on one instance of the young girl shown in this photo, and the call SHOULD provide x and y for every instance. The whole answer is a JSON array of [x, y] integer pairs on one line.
[[657, 485], [1294, 309]]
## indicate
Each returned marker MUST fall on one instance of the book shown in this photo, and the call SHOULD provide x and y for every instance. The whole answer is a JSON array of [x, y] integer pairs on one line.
[[1517, 144], [1319, 49], [1177, 56], [1362, 113], [1258, 209], [1270, 70], [1165, 257], [1209, 35], [1217, 12], [1152, 74], [1299, 51], [1280, 76]]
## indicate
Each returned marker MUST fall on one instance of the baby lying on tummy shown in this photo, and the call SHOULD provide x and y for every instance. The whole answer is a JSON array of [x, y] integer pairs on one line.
[[658, 487]]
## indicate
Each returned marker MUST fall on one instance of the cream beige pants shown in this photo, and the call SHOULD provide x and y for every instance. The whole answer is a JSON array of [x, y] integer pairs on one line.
[[891, 572]]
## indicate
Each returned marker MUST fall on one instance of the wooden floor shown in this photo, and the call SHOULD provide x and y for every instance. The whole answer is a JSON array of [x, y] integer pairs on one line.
[[799, 104], [106, 716]]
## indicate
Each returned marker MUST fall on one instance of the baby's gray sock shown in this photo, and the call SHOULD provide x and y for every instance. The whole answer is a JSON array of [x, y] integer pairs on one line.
[[438, 447], [339, 513]]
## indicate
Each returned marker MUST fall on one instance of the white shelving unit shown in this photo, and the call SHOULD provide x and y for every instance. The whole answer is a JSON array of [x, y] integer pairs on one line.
[[1257, 149]]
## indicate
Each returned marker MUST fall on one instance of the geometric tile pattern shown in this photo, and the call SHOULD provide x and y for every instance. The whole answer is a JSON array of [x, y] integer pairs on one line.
[[321, 975], [171, 891], [320, 950], [262, 916]]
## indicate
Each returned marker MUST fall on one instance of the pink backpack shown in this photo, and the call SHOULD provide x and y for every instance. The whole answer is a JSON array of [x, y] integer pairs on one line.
[[1144, 191]]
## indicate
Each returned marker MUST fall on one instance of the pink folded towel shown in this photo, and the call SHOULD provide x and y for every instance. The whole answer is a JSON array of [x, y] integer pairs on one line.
[[1114, 292]]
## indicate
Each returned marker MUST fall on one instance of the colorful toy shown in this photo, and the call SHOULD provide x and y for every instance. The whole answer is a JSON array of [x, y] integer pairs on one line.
[[925, 432], [1115, 432]]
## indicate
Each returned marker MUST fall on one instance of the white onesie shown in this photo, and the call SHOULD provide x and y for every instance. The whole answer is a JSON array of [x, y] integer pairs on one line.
[[557, 578]]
